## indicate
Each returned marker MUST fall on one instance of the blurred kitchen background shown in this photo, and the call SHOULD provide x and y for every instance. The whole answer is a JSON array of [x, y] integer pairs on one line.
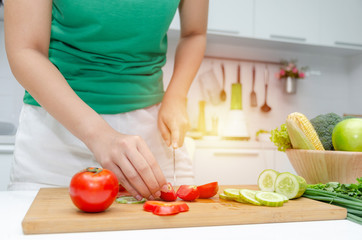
[[324, 35]]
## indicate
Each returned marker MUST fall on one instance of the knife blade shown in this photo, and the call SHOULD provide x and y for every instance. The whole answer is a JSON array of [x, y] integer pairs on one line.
[[174, 166]]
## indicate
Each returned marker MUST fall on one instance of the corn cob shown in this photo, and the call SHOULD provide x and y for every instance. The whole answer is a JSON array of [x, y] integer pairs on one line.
[[302, 133]]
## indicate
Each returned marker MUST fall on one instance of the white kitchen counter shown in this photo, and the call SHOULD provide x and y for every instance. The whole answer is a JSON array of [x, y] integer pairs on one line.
[[14, 205]]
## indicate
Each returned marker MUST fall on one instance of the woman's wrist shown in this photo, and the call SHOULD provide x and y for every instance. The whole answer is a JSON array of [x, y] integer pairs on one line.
[[93, 130]]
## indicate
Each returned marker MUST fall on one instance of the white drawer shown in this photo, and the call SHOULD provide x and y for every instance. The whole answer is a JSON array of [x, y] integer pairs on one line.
[[227, 166], [234, 166]]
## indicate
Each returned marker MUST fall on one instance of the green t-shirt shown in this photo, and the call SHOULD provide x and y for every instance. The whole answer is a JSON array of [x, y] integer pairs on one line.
[[111, 52]]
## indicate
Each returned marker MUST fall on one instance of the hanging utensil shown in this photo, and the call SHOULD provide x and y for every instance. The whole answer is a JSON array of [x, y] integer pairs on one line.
[[236, 92], [210, 87], [223, 93], [265, 107], [253, 100]]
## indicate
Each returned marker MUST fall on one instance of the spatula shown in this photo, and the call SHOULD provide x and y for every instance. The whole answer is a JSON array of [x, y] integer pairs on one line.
[[253, 100]]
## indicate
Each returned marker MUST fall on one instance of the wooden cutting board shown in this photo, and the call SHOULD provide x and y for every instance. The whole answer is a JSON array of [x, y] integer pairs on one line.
[[52, 211]]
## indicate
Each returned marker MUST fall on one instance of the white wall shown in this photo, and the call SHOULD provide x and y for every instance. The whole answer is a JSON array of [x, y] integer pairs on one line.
[[354, 68], [337, 88], [11, 92]]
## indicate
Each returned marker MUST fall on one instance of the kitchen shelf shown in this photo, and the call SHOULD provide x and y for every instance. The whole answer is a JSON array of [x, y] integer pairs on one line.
[[232, 39]]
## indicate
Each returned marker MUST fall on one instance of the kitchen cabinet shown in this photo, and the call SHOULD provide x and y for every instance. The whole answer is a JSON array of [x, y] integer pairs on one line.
[[6, 157], [236, 163], [316, 26], [227, 17], [227, 166], [340, 23], [287, 20]]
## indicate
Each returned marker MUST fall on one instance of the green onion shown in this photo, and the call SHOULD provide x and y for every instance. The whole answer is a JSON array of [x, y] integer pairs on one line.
[[352, 204]]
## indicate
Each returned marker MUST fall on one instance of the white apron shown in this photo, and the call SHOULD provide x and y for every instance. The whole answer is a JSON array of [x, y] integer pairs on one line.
[[47, 155]]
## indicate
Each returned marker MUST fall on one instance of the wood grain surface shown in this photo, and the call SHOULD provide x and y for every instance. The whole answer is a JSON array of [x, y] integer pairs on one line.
[[52, 211]]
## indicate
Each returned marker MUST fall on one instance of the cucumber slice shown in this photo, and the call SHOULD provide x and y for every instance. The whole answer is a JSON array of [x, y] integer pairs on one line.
[[232, 193], [225, 197], [286, 199], [129, 200], [270, 199], [249, 196], [266, 180], [290, 185]]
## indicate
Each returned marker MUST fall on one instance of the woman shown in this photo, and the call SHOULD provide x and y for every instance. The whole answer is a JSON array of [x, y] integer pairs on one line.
[[92, 71]]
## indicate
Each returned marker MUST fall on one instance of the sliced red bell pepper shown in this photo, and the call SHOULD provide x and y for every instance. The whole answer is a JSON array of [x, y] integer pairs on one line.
[[170, 195], [165, 209], [208, 190], [188, 192]]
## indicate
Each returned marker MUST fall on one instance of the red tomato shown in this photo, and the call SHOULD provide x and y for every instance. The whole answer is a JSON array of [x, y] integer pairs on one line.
[[164, 209], [170, 195], [208, 190], [93, 189], [188, 193]]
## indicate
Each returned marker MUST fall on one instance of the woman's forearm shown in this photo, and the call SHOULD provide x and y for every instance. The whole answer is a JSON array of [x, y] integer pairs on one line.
[[46, 84], [191, 47], [188, 57]]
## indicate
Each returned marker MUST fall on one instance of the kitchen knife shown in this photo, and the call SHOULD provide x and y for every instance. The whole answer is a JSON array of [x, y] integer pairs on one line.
[[174, 166]]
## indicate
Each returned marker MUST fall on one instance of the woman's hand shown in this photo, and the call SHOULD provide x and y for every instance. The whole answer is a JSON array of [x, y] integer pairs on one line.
[[129, 157], [173, 120]]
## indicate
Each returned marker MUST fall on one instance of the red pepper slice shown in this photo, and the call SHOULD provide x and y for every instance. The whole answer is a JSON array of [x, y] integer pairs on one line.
[[208, 190], [165, 209], [170, 195], [188, 192]]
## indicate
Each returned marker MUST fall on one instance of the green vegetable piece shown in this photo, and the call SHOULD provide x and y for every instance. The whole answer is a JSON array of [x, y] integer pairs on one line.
[[324, 125], [270, 199], [297, 137], [290, 185], [280, 138], [266, 180], [232, 193], [129, 200], [249, 196]]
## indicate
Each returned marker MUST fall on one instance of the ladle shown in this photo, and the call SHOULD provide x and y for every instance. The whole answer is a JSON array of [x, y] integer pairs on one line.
[[265, 107], [223, 93]]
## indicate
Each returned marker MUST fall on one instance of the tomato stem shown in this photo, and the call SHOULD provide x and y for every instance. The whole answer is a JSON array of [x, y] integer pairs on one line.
[[94, 170]]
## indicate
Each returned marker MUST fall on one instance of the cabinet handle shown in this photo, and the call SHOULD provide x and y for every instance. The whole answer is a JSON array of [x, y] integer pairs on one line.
[[7, 149], [236, 152], [222, 31], [291, 38], [348, 44]]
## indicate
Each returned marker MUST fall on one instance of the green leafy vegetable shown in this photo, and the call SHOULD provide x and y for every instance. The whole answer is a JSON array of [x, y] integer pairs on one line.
[[352, 190], [348, 196], [280, 138]]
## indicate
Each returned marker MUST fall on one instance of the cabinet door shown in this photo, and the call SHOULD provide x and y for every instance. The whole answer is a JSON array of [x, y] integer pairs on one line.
[[227, 17], [6, 157], [287, 20], [228, 166], [341, 23], [231, 17]]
